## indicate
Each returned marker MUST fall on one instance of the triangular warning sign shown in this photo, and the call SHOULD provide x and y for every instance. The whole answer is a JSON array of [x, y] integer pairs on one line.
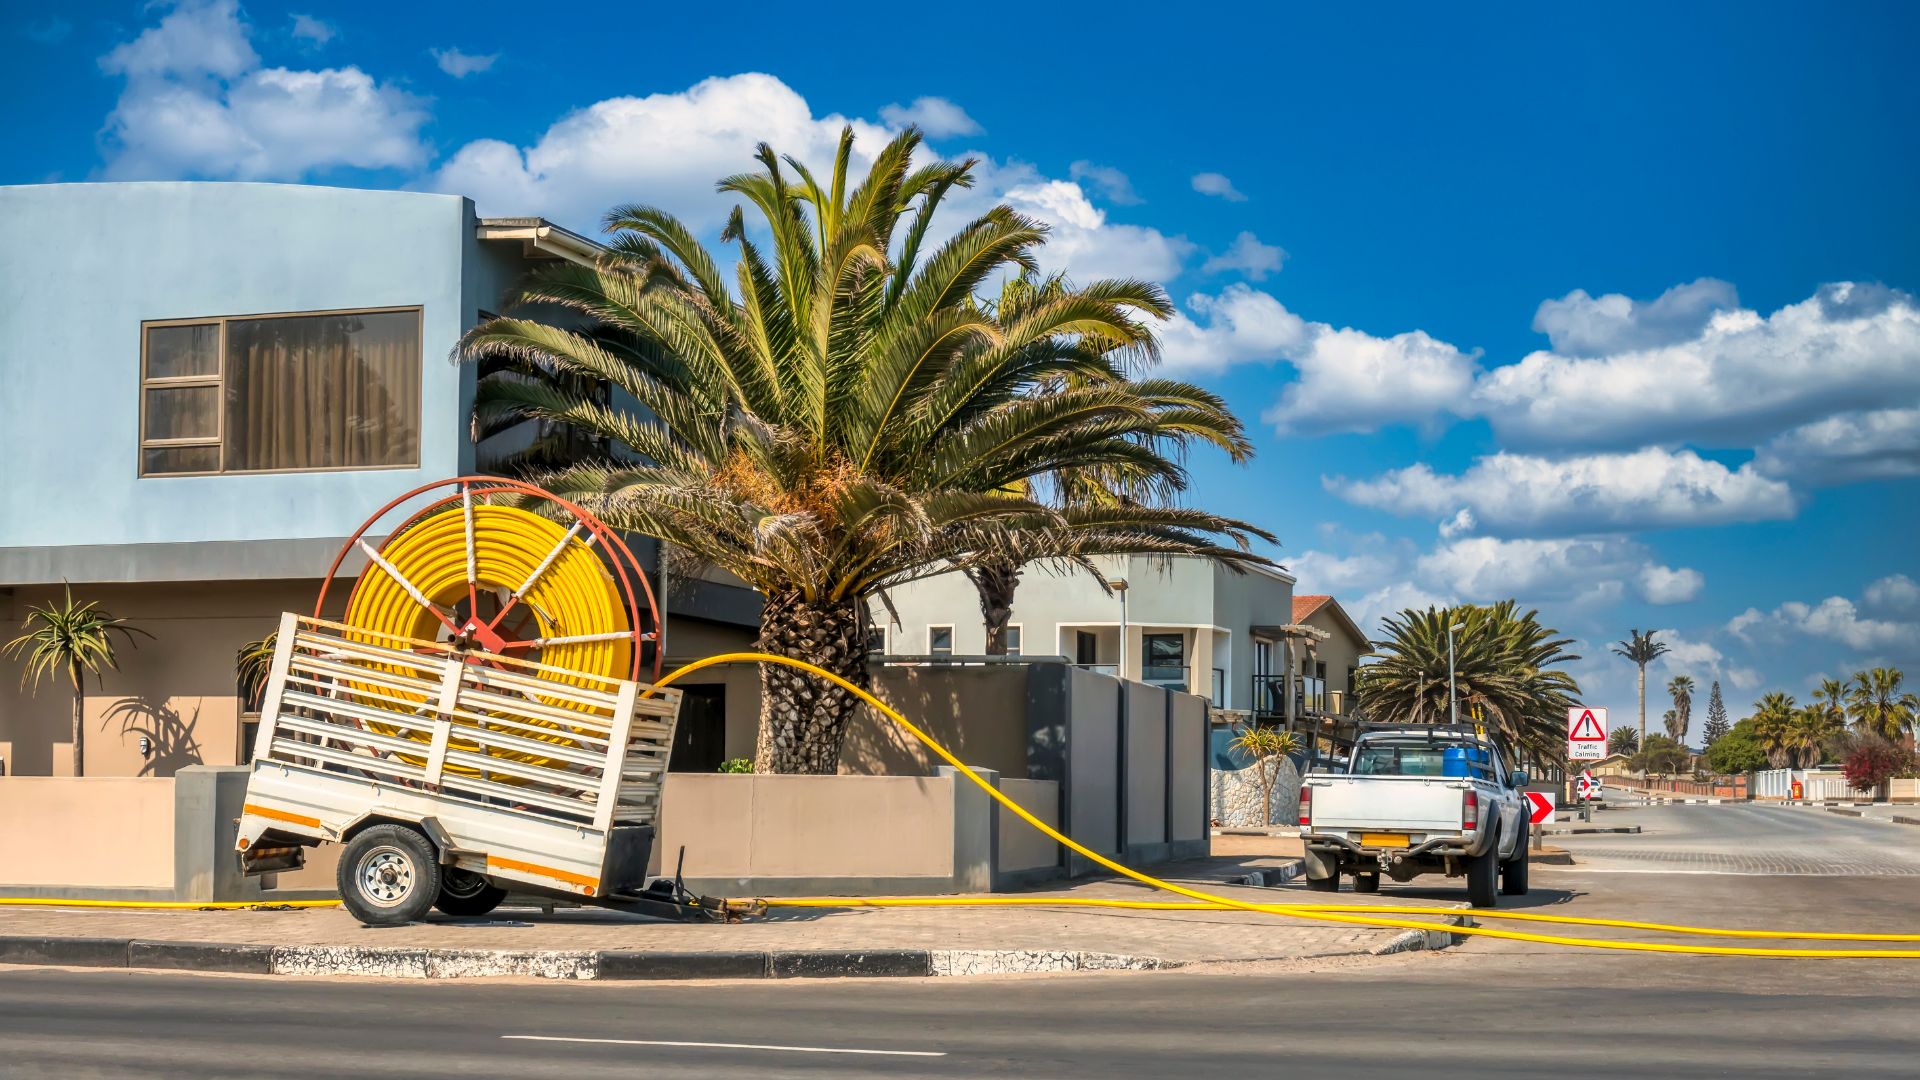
[[1587, 728]]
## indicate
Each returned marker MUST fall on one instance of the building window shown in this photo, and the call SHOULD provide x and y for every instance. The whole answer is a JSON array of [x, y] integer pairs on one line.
[[876, 639], [1012, 633], [1164, 660], [335, 390], [940, 641]]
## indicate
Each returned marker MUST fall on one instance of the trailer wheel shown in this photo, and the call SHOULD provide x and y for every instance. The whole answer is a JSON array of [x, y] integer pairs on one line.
[[464, 894], [389, 875]]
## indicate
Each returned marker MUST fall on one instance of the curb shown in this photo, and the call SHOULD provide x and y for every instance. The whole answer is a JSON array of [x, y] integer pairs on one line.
[[601, 965], [1586, 830], [1279, 875]]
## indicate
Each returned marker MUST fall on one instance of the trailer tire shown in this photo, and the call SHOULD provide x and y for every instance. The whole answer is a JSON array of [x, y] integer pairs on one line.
[[1483, 872], [465, 894], [389, 875]]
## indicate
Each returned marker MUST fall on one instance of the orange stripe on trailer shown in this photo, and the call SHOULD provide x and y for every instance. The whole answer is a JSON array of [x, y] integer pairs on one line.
[[590, 884], [280, 815]]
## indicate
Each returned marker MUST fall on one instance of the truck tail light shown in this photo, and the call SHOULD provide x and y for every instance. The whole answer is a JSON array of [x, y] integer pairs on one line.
[[1470, 809], [1306, 807]]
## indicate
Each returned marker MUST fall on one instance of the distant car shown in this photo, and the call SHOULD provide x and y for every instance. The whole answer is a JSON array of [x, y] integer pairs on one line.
[[1414, 800]]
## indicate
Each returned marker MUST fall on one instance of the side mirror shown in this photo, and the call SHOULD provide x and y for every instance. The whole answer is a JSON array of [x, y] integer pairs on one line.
[[1517, 778]]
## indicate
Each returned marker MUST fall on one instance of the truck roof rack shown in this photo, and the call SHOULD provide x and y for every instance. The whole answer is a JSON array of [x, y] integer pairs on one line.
[[1430, 730]]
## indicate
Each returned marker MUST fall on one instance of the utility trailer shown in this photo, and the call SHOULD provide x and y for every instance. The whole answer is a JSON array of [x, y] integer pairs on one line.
[[452, 777]]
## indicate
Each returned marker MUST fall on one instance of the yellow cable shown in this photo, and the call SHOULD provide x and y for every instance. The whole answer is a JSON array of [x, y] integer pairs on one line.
[[1296, 911]]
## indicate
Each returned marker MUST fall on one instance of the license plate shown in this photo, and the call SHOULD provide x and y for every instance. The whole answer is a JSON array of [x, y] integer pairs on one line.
[[1384, 839]]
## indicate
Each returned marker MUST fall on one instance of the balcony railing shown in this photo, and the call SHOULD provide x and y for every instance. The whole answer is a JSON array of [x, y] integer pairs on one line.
[[1270, 695]]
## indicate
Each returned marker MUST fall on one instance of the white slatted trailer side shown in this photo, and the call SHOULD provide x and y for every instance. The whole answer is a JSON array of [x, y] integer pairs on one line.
[[526, 774]]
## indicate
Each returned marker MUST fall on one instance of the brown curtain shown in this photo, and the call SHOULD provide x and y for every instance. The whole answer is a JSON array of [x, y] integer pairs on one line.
[[323, 391]]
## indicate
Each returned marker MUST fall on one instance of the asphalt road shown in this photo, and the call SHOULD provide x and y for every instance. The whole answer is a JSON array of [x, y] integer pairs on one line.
[[1489, 1009]]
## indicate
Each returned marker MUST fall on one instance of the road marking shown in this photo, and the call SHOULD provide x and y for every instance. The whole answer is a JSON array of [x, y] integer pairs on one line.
[[732, 1046]]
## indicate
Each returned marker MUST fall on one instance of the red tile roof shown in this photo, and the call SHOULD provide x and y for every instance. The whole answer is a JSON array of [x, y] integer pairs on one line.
[[1304, 606]]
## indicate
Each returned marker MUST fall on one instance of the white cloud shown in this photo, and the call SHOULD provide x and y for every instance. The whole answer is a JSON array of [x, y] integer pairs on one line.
[[196, 37], [1685, 656], [1896, 596], [1874, 445], [462, 64], [1238, 325], [1583, 325], [196, 103], [1743, 678], [1743, 377], [1212, 183], [1353, 381], [1519, 494], [1836, 618], [1667, 585], [1248, 256], [1083, 242], [1322, 572], [935, 116], [309, 28], [1392, 599], [1113, 184], [1586, 571]]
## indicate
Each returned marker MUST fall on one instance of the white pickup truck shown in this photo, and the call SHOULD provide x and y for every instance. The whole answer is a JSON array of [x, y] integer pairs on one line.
[[1414, 800]]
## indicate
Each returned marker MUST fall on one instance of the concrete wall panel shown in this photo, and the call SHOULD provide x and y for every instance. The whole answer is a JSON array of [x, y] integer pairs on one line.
[[1146, 764], [105, 832], [1023, 847]]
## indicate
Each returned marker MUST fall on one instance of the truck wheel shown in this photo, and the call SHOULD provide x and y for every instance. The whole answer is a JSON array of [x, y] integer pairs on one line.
[[1366, 883], [389, 875], [464, 894], [1323, 871], [1325, 884], [1513, 872], [1482, 872]]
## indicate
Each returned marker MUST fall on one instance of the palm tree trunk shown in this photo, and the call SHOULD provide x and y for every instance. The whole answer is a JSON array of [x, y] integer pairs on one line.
[[79, 726], [995, 580], [803, 718], [1643, 712]]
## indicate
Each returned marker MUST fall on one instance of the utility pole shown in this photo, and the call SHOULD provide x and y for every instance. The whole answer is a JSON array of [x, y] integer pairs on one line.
[[1453, 702]]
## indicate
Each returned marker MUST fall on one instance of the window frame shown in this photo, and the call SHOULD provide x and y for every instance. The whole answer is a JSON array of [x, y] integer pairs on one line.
[[884, 640], [931, 627], [218, 380], [1020, 634]]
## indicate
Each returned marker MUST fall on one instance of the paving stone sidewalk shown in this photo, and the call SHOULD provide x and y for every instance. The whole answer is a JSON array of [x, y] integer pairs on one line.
[[964, 937]]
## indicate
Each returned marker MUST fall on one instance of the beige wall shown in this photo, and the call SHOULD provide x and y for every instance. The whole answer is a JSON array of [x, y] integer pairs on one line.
[[177, 688], [979, 713], [1023, 847], [1339, 652], [1190, 749], [807, 826], [1146, 764], [106, 832]]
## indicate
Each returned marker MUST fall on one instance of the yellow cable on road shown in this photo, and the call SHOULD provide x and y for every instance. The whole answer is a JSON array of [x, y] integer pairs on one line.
[[1224, 902]]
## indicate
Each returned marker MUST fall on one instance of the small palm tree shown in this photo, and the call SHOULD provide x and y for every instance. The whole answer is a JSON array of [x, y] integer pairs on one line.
[[1812, 730], [1680, 688], [1642, 649], [1773, 717], [251, 666], [1623, 740], [1879, 707], [74, 639], [1269, 748]]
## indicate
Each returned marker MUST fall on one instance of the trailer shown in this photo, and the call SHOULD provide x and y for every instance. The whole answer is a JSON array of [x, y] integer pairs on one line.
[[460, 767]]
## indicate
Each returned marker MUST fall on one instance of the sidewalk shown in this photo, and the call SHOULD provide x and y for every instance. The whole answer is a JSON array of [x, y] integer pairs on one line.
[[570, 942]]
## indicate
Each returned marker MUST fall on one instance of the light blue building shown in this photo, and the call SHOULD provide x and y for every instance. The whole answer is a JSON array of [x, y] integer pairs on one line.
[[207, 386]]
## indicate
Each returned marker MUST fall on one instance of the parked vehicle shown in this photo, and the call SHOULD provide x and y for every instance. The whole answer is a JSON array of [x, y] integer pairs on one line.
[[1418, 799], [451, 781]]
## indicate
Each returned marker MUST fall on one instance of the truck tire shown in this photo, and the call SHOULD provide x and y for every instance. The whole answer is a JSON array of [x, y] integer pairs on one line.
[[1323, 871], [1513, 872], [389, 875], [1366, 883], [1483, 872], [465, 894]]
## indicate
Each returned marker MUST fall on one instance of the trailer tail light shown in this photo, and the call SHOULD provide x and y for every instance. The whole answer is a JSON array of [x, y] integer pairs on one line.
[[1470, 809], [1306, 807]]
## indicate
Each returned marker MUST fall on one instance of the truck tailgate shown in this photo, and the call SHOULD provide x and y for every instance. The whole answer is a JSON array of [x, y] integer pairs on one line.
[[1410, 803]]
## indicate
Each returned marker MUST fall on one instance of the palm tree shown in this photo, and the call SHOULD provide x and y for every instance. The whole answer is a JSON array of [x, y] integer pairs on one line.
[[1087, 496], [1879, 707], [1503, 667], [75, 639], [251, 666], [1642, 650], [1623, 740], [840, 417], [1680, 688], [1773, 717], [1811, 731]]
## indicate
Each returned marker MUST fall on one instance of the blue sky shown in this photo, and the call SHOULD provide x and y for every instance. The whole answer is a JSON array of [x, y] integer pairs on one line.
[[1610, 314]]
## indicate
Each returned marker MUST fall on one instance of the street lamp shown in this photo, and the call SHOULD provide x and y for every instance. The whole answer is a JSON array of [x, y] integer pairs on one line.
[[1119, 585], [1453, 703]]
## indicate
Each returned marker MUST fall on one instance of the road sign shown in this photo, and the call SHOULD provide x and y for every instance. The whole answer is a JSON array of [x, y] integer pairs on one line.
[[1586, 733], [1587, 786], [1541, 807]]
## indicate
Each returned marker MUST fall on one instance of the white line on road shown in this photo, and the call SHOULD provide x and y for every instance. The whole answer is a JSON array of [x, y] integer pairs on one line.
[[732, 1046]]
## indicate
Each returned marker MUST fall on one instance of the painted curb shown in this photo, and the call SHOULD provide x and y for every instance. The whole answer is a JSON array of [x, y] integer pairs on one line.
[[1591, 830]]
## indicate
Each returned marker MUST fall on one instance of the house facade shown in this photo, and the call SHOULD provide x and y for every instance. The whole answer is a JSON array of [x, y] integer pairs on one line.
[[211, 385]]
